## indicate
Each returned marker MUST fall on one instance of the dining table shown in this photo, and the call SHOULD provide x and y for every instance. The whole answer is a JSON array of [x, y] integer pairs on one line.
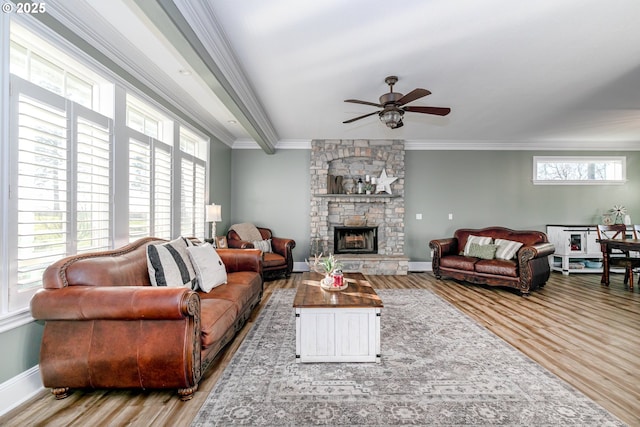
[[607, 246]]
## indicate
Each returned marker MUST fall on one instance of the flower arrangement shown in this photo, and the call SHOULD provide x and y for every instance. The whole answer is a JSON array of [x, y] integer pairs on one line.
[[324, 265]]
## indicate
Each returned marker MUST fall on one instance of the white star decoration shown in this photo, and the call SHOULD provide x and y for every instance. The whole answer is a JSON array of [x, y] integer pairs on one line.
[[384, 182]]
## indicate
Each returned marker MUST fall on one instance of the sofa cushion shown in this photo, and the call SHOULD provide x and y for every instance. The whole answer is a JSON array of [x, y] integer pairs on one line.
[[169, 264], [483, 251], [480, 240], [240, 288], [210, 269], [507, 249], [498, 267], [218, 315], [458, 262], [272, 259]]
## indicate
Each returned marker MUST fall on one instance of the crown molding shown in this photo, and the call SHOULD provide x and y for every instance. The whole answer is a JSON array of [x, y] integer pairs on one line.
[[418, 145], [205, 24], [211, 56], [414, 145], [82, 20]]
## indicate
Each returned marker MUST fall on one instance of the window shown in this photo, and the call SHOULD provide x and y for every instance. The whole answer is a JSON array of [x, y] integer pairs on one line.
[[39, 62], [150, 170], [193, 183], [579, 170], [77, 181], [61, 153]]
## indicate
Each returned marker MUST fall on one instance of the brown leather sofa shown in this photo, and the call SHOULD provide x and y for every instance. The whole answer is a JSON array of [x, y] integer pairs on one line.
[[278, 263], [529, 270], [107, 327]]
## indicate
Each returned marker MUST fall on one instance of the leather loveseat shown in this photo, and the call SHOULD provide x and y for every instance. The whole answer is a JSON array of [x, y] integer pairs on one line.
[[527, 270], [107, 327]]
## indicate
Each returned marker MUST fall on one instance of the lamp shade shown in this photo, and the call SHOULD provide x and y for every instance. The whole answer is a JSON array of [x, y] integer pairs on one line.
[[213, 213]]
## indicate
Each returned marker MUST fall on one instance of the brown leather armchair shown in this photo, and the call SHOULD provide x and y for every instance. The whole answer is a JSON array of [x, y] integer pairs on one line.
[[278, 263]]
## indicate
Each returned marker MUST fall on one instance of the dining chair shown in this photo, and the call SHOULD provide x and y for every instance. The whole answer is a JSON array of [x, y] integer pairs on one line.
[[620, 259]]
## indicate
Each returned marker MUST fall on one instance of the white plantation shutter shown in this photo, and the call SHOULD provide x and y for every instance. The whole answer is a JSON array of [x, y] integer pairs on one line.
[[139, 189], [93, 183], [60, 164], [150, 184], [192, 197], [162, 193], [42, 191]]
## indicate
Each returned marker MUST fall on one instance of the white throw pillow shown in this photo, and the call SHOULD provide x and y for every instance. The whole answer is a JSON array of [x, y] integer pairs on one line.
[[210, 269], [169, 264], [263, 245], [480, 240], [507, 249]]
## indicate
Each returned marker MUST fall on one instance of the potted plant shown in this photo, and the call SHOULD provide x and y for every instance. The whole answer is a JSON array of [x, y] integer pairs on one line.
[[326, 265]]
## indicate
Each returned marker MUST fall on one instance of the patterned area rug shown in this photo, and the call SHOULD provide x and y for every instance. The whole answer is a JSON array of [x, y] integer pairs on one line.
[[439, 367]]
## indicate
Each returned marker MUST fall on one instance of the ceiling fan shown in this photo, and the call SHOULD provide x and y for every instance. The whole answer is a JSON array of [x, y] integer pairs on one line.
[[392, 105]]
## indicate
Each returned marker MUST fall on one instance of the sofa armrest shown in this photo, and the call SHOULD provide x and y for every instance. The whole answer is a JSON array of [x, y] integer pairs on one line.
[[115, 303], [241, 259], [443, 247], [539, 250], [282, 246]]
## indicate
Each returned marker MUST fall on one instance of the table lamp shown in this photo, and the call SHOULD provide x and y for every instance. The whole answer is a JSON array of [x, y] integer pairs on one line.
[[213, 214]]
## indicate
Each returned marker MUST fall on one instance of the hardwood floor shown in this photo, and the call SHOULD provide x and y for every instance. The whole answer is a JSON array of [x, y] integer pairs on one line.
[[586, 334]]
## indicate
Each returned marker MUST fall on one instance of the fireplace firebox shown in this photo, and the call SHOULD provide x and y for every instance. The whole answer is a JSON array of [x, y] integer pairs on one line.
[[355, 240]]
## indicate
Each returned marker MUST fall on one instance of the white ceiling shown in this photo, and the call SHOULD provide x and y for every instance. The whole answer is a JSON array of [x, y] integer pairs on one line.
[[512, 71]]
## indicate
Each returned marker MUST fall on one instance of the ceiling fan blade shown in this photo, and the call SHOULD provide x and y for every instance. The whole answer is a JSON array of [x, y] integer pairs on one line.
[[413, 95], [360, 117], [438, 111], [357, 101]]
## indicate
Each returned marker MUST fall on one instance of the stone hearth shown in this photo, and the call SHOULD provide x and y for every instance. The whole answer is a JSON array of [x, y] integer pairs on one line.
[[351, 160]]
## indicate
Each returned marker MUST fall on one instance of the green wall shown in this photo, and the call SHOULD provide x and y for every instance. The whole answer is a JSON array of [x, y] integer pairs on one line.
[[273, 191], [484, 188], [480, 188], [20, 349]]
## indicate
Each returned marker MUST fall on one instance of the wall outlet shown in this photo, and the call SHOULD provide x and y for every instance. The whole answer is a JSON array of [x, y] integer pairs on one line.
[[418, 216], [450, 216]]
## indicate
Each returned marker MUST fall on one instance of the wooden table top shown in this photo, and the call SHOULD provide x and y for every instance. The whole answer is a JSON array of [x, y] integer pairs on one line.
[[631, 244], [359, 293]]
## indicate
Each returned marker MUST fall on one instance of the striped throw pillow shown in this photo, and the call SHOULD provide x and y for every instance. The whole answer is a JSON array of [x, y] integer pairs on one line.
[[169, 264], [507, 249], [480, 240]]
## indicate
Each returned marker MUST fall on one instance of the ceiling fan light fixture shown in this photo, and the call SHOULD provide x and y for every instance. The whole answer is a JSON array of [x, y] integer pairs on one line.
[[391, 118]]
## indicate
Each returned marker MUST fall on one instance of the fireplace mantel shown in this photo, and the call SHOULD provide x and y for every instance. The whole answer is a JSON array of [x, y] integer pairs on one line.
[[358, 198]]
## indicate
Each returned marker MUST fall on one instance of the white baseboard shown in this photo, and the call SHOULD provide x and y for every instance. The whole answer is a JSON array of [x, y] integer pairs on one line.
[[20, 389], [413, 266], [421, 266]]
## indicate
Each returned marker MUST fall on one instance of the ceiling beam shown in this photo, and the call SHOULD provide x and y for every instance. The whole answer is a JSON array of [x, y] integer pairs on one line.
[[170, 21]]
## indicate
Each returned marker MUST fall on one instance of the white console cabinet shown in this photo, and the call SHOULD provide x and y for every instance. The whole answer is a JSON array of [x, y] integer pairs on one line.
[[574, 245]]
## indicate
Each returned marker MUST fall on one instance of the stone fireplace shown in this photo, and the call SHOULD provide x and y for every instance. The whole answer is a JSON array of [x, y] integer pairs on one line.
[[335, 204]]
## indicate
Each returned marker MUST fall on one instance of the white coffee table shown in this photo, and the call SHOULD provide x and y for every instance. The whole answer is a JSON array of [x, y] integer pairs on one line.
[[337, 326]]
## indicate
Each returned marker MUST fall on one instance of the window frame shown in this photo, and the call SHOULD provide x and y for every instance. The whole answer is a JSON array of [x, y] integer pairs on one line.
[[115, 103], [622, 160]]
